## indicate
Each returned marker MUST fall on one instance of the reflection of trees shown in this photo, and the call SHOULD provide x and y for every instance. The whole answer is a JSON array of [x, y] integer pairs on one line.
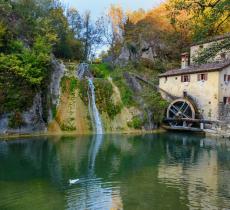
[[28, 159], [27, 168], [141, 152], [147, 168]]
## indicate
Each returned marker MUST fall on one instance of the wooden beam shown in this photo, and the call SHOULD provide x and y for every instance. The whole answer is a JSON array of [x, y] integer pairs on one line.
[[189, 120], [181, 128]]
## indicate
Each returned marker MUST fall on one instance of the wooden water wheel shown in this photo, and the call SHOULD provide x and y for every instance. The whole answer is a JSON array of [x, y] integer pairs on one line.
[[181, 109]]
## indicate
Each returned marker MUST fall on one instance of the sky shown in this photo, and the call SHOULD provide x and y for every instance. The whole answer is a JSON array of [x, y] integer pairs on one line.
[[99, 7]]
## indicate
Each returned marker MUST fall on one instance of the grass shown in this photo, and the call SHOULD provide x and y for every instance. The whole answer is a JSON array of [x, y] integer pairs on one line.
[[101, 70], [120, 82]]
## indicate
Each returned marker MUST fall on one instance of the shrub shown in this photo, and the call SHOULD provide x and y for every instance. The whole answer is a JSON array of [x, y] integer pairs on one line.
[[69, 84], [54, 111], [67, 127], [63, 84], [73, 85], [136, 122], [125, 91], [113, 109], [101, 70], [83, 91], [156, 104]]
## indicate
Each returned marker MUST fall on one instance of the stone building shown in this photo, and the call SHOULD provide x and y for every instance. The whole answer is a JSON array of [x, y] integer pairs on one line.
[[206, 86]]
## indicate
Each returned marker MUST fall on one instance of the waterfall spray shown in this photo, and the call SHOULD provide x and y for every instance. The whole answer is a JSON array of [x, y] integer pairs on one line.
[[93, 108]]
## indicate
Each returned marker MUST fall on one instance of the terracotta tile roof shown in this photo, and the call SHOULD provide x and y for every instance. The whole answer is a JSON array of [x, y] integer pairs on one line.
[[217, 66]]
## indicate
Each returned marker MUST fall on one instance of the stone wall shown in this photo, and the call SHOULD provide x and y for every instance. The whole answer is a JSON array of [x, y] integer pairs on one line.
[[196, 49], [224, 112]]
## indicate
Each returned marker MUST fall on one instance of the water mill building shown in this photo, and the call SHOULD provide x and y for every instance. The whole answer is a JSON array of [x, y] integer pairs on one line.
[[199, 91]]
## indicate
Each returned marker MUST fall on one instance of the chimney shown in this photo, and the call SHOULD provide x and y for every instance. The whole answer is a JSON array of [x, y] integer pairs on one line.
[[184, 60]]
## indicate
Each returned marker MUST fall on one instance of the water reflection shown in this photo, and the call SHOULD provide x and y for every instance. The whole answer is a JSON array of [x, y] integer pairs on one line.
[[157, 171], [93, 193], [197, 172]]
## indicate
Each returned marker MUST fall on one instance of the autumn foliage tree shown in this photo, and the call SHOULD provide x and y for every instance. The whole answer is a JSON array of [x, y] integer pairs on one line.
[[205, 18]]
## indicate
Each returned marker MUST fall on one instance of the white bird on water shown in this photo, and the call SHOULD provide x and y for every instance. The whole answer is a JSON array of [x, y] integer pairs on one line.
[[73, 181]]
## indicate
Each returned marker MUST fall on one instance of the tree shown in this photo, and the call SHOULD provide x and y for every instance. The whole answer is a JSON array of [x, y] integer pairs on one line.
[[30, 31], [75, 21], [206, 17], [111, 26], [135, 16], [109, 37], [117, 18], [90, 35], [154, 31]]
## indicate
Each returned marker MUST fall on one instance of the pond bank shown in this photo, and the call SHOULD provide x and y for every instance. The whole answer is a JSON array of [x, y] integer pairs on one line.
[[133, 132], [207, 133]]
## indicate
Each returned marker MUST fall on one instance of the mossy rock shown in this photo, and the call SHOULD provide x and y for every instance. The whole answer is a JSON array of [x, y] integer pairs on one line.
[[16, 120]]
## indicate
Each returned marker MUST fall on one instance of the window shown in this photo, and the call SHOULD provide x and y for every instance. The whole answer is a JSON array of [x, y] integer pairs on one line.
[[166, 79], [201, 47], [227, 78], [226, 100], [223, 56], [202, 77], [185, 78], [185, 94]]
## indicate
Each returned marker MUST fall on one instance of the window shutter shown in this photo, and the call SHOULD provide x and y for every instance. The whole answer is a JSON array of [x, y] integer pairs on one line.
[[228, 78], [198, 77], [228, 100], [225, 77], [181, 78], [188, 78], [206, 77]]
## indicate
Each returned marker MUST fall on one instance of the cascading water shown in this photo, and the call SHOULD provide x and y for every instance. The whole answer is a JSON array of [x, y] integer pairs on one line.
[[93, 108], [84, 72]]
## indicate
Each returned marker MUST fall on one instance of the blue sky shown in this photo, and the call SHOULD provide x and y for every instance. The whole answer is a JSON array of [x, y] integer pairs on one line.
[[98, 7]]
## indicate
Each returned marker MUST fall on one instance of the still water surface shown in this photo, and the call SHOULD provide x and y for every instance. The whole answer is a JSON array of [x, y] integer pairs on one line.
[[157, 171]]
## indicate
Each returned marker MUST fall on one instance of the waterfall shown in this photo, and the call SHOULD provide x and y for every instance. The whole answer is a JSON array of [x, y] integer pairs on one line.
[[95, 116], [83, 71]]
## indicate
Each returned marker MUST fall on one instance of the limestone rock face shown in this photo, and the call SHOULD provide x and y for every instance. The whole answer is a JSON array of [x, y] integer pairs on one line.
[[132, 82], [4, 124], [71, 113], [32, 120], [55, 85], [148, 51], [57, 74], [144, 50], [125, 54]]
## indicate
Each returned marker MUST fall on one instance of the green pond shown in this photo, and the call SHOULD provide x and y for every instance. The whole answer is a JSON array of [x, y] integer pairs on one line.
[[154, 171]]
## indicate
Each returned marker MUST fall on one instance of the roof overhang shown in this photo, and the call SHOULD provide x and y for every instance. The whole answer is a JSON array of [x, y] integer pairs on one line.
[[210, 67]]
